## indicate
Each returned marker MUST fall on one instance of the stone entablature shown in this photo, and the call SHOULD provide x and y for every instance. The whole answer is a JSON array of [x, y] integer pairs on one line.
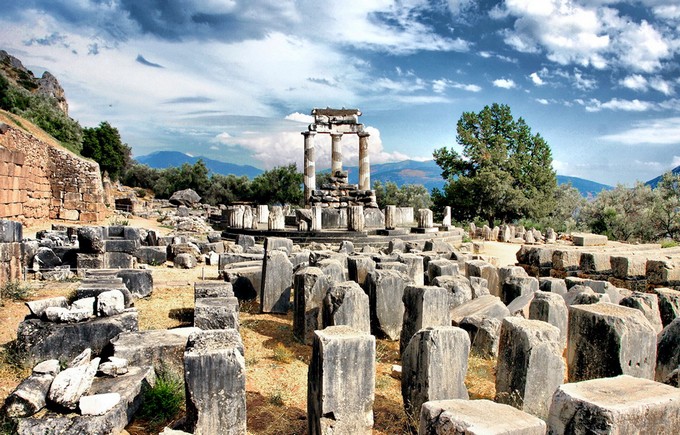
[[338, 193], [41, 181]]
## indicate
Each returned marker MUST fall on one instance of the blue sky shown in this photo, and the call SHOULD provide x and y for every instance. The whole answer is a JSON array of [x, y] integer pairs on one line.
[[235, 80]]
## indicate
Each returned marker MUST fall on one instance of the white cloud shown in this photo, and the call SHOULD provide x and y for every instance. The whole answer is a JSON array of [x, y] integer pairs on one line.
[[661, 85], [440, 86], [642, 47], [669, 12], [300, 117], [542, 101], [504, 83], [536, 79], [595, 105], [635, 82], [665, 131]]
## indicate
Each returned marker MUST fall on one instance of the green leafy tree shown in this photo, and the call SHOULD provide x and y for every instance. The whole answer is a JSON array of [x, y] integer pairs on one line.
[[408, 195], [280, 185], [225, 189], [666, 209], [504, 172], [103, 145], [622, 213]]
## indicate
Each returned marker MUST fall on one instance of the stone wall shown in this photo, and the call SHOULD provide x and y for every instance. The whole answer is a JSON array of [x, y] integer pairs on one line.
[[41, 181]]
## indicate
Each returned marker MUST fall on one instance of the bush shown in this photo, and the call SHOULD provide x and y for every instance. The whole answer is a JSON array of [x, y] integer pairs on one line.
[[163, 402], [13, 290]]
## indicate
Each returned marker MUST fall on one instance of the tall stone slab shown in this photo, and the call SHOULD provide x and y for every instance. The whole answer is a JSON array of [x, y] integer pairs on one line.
[[618, 405], [341, 382], [359, 267], [648, 304], [215, 378], [415, 267], [276, 219], [608, 340], [669, 304], [277, 279], [424, 306], [385, 290], [390, 217], [484, 270], [668, 353], [310, 285], [551, 308], [347, 304], [355, 218], [530, 365], [434, 365]]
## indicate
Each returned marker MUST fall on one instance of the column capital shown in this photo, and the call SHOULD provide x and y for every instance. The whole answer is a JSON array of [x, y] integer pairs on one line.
[[308, 133], [336, 134], [363, 134]]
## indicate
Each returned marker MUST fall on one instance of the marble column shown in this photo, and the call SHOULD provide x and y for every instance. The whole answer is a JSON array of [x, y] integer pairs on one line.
[[364, 162], [309, 165], [336, 153]]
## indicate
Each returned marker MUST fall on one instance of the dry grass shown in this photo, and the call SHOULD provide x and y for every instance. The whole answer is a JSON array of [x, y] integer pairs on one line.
[[481, 378]]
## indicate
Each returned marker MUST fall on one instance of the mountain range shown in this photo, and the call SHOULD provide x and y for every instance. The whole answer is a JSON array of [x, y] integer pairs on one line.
[[426, 173]]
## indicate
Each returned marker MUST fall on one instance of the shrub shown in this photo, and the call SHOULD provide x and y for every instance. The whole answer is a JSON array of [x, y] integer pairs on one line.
[[282, 354], [13, 290], [163, 402]]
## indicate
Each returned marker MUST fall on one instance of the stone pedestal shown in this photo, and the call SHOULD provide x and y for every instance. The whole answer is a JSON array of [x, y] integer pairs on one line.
[[425, 218], [355, 218], [619, 405], [530, 365], [276, 220], [434, 365], [262, 214], [341, 382], [424, 306], [607, 340], [215, 377], [390, 217]]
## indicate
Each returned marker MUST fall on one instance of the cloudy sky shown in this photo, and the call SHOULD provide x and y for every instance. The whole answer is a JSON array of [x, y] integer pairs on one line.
[[235, 80]]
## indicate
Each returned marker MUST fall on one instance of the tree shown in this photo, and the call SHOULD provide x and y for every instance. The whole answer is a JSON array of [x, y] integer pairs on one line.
[[103, 145], [280, 185], [666, 209], [408, 195], [503, 173]]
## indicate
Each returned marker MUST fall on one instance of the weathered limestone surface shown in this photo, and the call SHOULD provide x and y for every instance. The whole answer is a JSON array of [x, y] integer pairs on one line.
[[424, 306], [484, 306], [153, 347], [648, 304], [530, 365], [72, 383], [359, 267], [213, 289], [46, 340], [215, 377], [618, 405], [29, 396], [516, 286], [668, 352], [216, 313], [385, 290], [476, 417], [128, 386], [434, 365], [277, 279], [484, 335], [484, 270], [584, 239], [339, 403], [347, 304], [415, 267], [669, 304], [551, 308], [607, 340], [458, 286], [310, 285]]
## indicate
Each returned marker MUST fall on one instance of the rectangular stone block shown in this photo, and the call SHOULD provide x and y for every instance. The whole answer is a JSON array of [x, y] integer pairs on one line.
[[584, 239], [216, 313], [127, 246], [213, 289], [277, 280], [424, 306], [476, 417], [310, 285], [618, 405], [338, 404]]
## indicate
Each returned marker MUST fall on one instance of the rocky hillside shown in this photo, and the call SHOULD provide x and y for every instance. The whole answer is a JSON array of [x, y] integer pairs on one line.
[[46, 85]]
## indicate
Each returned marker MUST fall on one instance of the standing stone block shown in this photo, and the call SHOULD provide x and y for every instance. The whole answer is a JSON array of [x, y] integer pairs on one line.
[[277, 221], [278, 243], [347, 304], [277, 278], [355, 218], [390, 217], [484, 270], [530, 365], [551, 308], [359, 267], [458, 286], [434, 365], [586, 239], [385, 292], [484, 306], [648, 304], [263, 214], [607, 340], [138, 281], [552, 285], [213, 289], [424, 306], [476, 417], [517, 286], [446, 221], [441, 267], [415, 267], [618, 405], [425, 218], [668, 352], [484, 335], [310, 285], [669, 304], [341, 382], [215, 378], [216, 313]]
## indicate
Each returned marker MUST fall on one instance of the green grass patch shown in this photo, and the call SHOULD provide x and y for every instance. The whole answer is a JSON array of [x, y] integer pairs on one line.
[[163, 402]]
